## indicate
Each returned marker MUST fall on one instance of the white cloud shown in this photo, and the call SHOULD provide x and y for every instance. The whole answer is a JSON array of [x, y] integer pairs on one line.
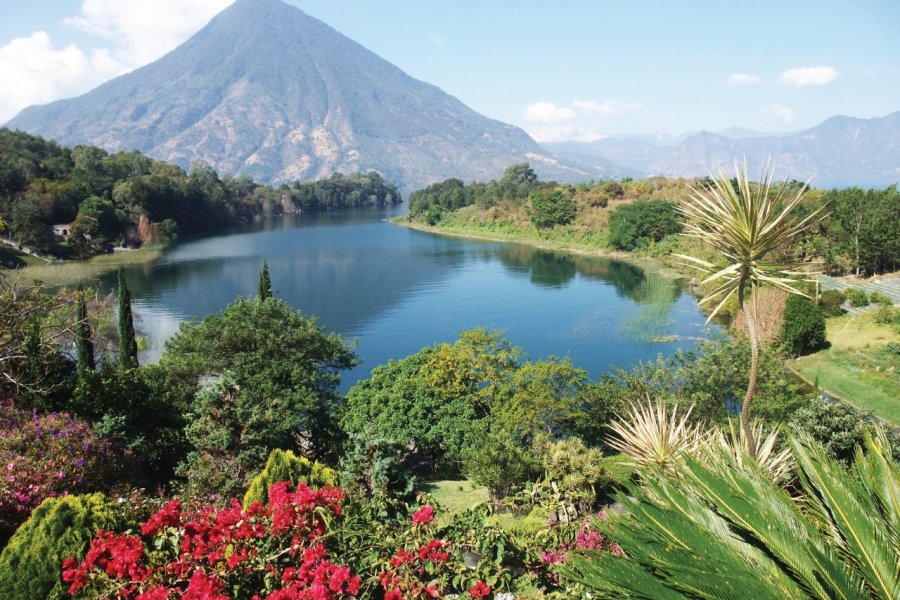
[[743, 79], [122, 35], [808, 76], [563, 133], [778, 111], [547, 112], [34, 72], [141, 31], [609, 107]]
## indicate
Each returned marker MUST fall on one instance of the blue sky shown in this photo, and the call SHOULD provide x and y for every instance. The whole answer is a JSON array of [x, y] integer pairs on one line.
[[561, 70]]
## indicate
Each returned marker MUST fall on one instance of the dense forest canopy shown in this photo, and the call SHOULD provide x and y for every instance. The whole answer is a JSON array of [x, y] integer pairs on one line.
[[126, 197]]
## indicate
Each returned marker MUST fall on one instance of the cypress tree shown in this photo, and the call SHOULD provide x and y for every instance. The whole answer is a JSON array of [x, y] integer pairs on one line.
[[127, 341], [84, 347], [265, 284]]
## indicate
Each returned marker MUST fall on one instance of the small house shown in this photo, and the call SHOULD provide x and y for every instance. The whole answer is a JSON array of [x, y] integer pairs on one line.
[[62, 230]]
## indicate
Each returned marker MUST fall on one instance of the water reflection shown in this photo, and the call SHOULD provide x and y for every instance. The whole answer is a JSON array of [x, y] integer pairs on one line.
[[397, 290]]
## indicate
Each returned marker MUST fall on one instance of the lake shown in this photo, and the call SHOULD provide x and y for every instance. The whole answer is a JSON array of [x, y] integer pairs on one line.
[[396, 290]]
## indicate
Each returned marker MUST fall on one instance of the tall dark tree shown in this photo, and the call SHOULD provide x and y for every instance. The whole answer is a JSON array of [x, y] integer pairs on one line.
[[127, 342], [265, 284], [84, 347]]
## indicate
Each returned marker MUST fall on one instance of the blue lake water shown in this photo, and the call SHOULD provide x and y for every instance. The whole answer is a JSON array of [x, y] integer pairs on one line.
[[396, 290]]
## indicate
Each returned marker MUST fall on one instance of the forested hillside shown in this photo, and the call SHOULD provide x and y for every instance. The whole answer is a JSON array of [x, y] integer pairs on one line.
[[100, 199], [859, 234]]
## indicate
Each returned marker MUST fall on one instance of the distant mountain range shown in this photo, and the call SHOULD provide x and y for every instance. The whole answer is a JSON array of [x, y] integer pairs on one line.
[[840, 151], [268, 91]]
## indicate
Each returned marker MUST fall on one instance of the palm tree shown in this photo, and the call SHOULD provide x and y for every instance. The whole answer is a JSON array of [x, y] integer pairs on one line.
[[745, 223]]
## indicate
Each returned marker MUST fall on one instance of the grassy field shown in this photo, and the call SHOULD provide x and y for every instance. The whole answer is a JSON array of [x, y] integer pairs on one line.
[[11, 258], [857, 367], [455, 496], [71, 273]]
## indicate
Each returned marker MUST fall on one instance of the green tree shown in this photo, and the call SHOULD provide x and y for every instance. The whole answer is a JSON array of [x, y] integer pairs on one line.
[[540, 398], [84, 347], [265, 284], [803, 328], [128, 350], [285, 366], [638, 224], [517, 180], [745, 224], [551, 207]]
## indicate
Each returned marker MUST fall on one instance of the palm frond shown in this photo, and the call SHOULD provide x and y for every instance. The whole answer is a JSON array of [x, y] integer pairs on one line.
[[866, 540]]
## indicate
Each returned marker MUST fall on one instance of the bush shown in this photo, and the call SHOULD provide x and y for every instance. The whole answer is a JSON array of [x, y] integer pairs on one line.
[[501, 464], [882, 299], [374, 466], [887, 315], [803, 328], [284, 465], [640, 223], [838, 426], [551, 207], [30, 566], [50, 455], [576, 470], [857, 297], [202, 552], [831, 302]]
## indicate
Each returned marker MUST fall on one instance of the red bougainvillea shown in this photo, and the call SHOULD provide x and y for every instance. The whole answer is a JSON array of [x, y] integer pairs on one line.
[[272, 552]]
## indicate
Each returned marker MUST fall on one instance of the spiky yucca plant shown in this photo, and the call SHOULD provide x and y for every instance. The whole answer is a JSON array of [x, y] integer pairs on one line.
[[724, 529], [733, 440], [745, 224], [652, 437]]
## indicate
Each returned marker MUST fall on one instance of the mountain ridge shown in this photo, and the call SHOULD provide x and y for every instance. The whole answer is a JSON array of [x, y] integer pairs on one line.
[[839, 151], [268, 91]]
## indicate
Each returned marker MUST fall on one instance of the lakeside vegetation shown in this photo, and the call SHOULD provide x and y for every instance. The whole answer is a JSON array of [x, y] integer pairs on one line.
[[857, 235], [97, 200], [234, 468], [465, 468]]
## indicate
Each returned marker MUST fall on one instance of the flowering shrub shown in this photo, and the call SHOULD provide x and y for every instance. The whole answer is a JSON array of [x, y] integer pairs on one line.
[[275, 552], [425, 567], [44, 456]]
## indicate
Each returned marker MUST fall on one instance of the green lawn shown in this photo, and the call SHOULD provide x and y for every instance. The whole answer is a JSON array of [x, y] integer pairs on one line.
[[455, 496], [11, 258], [857, 368], [73, 272]]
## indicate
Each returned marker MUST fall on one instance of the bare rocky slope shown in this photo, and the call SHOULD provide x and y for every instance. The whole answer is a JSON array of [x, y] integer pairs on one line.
[[268, 91]]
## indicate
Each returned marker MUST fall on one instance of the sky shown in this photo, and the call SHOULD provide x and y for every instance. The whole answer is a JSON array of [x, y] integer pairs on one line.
[[564, 70]]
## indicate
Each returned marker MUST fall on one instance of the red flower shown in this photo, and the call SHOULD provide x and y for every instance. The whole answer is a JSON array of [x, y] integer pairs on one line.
[[424, 515], [480, 590]]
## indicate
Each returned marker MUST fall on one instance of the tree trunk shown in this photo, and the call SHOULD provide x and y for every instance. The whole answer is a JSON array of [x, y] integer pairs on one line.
[[753, 333]]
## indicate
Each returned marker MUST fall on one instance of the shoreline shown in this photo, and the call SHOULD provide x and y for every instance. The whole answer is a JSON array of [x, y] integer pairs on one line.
[[73, 272], [660, 265]]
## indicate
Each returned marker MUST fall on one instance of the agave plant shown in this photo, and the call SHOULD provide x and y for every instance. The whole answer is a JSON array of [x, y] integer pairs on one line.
[[651, 437], [726, 530], [745, 223], [732, 439]]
